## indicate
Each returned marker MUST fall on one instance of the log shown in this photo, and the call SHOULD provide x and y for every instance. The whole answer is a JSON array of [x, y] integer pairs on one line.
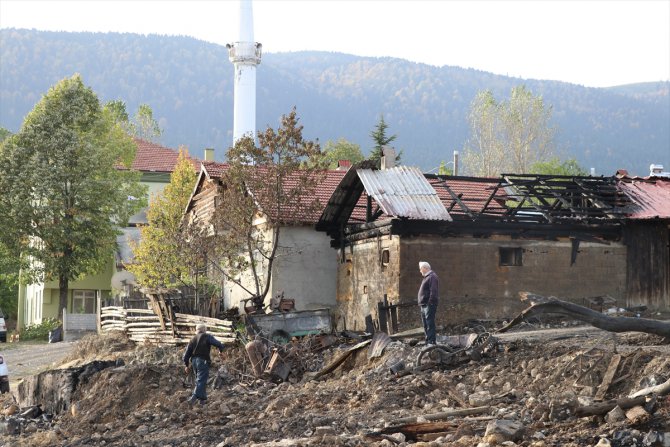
[[442, 415], [140, 311], [112, 314], [121, 308], [144, 325], [606, 407], [413, 431], [209, 327], [142, 319], [595, 319], [201, 319], [661, 390]]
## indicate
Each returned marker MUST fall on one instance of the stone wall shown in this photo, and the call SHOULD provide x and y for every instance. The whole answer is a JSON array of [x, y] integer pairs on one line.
[[370, 270], [473, 284]]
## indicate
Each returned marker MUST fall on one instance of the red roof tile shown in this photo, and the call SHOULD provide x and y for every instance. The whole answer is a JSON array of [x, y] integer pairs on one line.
[[322, 193], [214, 168], [151, 157]]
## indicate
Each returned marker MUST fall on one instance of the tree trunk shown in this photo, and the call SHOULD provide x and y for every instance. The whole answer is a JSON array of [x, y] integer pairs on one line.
[[63, 285], [661, 390], [596, 319]]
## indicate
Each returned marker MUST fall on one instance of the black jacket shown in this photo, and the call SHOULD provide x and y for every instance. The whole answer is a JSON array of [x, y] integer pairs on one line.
[[199, 346], [429, 289]]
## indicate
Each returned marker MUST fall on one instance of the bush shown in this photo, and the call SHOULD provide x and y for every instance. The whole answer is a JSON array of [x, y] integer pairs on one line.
[[40, 331]]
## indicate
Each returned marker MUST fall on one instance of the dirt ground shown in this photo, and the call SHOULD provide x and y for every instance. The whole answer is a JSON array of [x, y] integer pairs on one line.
[[524, 392], [27, 358]]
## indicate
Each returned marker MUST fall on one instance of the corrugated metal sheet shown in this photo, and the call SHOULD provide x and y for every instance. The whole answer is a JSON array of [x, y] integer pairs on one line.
[[403, 192], [651, 197]]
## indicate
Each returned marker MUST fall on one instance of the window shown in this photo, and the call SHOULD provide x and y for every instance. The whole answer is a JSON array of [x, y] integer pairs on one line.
[[386, 255], [510, 256], [83, 301]]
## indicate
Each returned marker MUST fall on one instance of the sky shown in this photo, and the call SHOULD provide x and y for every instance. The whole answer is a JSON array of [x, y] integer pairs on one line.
[[597, 43]]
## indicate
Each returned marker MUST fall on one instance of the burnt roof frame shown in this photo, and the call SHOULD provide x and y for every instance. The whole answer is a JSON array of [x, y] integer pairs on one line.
[[550, 204]]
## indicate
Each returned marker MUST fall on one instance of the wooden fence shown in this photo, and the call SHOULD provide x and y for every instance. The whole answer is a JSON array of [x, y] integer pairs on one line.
[[145, 325]]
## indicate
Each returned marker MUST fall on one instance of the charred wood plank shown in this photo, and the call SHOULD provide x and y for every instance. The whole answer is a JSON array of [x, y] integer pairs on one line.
[[607, 378], [413, 431], [442, 415]]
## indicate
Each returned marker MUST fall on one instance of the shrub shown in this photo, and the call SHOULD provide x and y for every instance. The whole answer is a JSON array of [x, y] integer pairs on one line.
[[40, 331]]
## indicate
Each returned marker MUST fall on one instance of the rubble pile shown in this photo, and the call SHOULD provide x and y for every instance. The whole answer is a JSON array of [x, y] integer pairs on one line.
[[573, 391]]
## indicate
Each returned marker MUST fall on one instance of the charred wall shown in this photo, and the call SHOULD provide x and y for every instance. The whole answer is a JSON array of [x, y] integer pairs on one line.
[[367, 270], [648, 264]]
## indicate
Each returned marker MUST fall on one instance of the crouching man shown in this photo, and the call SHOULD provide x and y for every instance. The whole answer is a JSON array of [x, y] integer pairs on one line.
[[197, 357]]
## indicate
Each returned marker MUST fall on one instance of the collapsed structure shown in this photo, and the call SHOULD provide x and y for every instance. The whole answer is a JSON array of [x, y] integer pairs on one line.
[[585, 239]]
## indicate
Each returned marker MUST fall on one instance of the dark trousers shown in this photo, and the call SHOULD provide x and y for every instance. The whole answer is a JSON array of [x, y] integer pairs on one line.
[[4, 384], [201, 370], [428, 319]]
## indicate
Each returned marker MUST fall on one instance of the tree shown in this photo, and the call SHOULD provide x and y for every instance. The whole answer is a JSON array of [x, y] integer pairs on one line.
[[508, 136], [380, 139], [4, 134], [342, 150], [143, 125], [266, 186], [9, 281], [555, 166], [159, 260], [67, 185], [444, 170]]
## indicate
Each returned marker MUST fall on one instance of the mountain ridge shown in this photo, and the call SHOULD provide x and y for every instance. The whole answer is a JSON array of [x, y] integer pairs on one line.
[[189, 85]]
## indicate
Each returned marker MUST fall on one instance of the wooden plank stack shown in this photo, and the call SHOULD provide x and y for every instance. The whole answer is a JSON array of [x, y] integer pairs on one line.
[[144, 325]]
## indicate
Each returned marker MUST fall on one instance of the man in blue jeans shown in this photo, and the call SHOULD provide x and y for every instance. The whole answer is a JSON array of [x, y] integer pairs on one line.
[[197, 352], [428, 299]]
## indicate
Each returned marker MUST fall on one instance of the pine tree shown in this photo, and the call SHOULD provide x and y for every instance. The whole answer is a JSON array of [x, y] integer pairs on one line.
[[380, 139]]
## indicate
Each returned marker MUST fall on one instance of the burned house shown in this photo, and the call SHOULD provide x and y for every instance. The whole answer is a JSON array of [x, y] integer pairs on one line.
[[647, 238], [577, 238]]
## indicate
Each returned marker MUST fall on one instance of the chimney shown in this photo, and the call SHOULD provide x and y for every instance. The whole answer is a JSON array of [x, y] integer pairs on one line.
[[209, 154], [343, 165], [593, 172], [388, 157], [455, 162], [656, 170]]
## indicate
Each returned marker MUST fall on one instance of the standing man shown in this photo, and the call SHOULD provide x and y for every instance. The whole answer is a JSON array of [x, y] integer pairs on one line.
[[4, 376], [197, 352], [428, 299]]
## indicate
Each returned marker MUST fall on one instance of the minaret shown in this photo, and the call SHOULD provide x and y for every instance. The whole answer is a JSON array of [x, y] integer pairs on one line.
[[245, 54]]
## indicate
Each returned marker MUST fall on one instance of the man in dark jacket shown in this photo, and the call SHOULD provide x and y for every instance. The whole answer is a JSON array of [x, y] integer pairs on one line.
[[197, 353], [428, 299]]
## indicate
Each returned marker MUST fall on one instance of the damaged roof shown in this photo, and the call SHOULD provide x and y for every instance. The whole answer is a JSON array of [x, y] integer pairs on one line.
[[403, 192], [650, 197]]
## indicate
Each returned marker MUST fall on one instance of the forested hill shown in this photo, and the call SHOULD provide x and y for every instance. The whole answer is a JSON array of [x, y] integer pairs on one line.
[[189, 85]]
